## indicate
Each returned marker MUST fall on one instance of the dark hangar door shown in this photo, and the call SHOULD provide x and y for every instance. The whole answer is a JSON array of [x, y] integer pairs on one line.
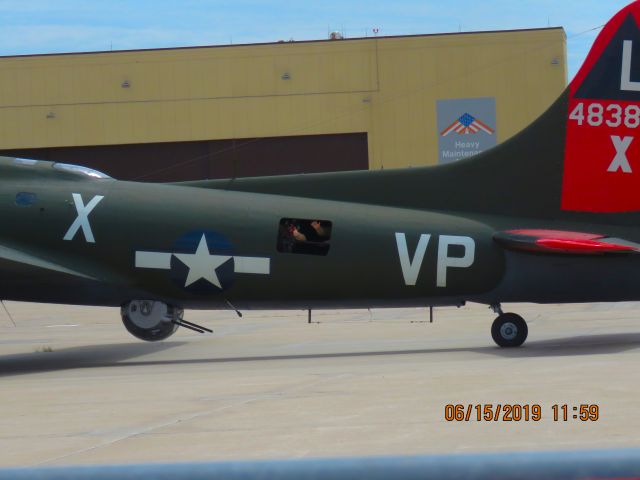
[[249, 157]]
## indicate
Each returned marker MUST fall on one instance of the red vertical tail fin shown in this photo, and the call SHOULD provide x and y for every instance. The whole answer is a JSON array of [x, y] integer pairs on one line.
[[602, 151]]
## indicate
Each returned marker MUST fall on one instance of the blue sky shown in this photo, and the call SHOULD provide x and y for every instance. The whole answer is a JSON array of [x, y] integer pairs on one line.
[[46, 26]]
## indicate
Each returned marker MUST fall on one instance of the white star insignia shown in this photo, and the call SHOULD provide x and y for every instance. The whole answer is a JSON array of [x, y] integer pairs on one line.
[[202, 264]]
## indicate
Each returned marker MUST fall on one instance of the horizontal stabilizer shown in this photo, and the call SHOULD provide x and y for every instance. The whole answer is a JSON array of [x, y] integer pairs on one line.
[[563, 242]]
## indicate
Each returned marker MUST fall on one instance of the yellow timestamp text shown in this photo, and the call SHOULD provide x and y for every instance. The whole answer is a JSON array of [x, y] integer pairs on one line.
[[520, 412]]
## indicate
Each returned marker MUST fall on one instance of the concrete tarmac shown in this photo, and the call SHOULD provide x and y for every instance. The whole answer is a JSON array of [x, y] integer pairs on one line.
[[76, 388]]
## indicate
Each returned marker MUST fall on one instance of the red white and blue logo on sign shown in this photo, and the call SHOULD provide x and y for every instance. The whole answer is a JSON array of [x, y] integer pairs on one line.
[[465, 125]]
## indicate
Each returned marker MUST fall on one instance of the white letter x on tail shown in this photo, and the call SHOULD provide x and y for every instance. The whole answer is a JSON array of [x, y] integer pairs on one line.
[[620, 160], [82, 221]]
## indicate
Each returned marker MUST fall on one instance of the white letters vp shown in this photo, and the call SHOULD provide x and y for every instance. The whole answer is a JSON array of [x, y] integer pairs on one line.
[[411, 267], [82, 221]]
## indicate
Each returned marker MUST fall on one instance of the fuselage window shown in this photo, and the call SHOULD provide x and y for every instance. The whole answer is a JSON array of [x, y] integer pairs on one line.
[[80, 170], [304, 236], [25, 199], [27, 162]]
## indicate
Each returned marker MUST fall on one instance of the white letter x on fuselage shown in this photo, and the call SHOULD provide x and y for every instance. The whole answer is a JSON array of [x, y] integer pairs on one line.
[[83, 217], [620, 160]]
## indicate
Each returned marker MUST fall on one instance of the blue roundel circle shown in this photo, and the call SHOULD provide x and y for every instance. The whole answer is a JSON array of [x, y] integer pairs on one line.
[[202, 262]]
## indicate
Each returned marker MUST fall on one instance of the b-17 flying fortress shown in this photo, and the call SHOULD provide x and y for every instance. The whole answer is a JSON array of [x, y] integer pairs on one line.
[[550, 216]]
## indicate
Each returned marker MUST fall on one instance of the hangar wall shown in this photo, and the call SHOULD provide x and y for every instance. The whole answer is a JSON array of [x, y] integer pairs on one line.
[[386, 88]]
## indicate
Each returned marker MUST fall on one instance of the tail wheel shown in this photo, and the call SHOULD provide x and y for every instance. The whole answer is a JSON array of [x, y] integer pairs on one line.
[[509, 330]]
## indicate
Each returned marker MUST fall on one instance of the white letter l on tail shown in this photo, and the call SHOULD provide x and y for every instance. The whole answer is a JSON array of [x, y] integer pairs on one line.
[[625, 75]]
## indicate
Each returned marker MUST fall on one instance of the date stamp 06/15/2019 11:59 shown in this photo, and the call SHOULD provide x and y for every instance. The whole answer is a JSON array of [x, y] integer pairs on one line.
[[521, 412]]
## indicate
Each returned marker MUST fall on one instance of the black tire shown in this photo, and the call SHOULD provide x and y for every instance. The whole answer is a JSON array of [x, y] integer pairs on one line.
[[150, 327], [509, 330]]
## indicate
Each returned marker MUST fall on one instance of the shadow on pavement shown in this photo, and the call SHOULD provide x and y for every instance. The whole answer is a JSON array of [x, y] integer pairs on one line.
[[78, 357], [600, 344], [119, 355]]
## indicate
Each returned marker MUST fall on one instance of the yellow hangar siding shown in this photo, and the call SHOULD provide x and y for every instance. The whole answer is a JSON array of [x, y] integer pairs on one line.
[[384, 87]]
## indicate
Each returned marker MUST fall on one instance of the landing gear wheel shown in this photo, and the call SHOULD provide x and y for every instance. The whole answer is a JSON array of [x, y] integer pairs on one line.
[[509, 330], [150, 320]]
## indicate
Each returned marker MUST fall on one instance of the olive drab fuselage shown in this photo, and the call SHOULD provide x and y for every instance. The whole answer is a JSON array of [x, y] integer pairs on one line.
[[202, 248]]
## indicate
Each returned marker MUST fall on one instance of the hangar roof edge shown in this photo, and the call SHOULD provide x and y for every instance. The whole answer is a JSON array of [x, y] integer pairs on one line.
[[382, 37]]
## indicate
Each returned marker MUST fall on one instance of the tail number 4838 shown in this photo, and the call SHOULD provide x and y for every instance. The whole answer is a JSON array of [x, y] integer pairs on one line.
[[613, 115]]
